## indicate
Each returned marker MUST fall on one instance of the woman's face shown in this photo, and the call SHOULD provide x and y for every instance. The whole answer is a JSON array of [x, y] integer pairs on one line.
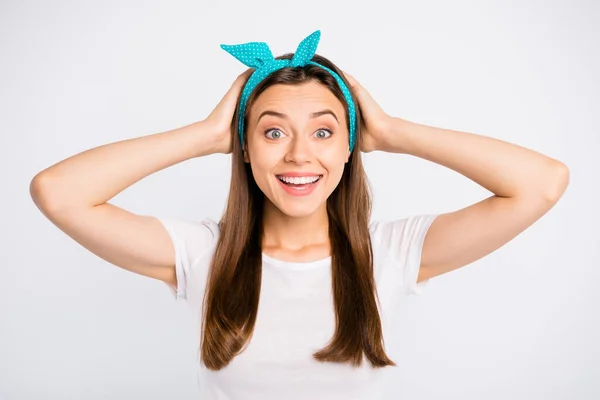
[[291, 138]]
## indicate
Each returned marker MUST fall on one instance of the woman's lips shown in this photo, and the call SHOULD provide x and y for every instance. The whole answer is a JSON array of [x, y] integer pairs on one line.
[[299, 190]]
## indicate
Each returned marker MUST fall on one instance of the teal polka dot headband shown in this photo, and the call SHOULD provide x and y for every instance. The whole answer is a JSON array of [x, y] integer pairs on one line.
[[258, 55]]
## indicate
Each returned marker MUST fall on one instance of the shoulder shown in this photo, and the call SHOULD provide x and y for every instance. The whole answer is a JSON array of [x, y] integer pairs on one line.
[[194, 243], [206, 225], [192, 237], [400, 234], [397, 250]]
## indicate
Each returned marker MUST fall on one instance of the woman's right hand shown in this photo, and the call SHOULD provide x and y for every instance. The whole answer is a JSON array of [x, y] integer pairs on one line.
[[221, 118]]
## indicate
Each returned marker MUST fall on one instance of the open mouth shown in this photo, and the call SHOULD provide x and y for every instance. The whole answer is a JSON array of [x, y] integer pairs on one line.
[[299, 182]]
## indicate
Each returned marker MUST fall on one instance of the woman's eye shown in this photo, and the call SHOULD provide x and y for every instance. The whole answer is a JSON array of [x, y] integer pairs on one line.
[[273, 133], [323, 133]]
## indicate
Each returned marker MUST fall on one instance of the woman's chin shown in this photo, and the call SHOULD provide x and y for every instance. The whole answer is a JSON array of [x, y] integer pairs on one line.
[[297, 210]]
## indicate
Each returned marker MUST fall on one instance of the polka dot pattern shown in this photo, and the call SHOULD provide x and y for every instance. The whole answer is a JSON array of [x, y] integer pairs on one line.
[[258, 55]]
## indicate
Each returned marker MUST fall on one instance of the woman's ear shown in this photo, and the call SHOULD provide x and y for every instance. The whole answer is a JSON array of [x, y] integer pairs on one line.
[[246, 158]]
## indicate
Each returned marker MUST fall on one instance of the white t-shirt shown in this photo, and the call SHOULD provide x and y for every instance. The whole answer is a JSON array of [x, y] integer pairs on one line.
[[296, 316]]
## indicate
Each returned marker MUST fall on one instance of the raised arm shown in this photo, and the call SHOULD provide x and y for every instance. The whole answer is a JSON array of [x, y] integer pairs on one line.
[[525, 184], [74, 193]]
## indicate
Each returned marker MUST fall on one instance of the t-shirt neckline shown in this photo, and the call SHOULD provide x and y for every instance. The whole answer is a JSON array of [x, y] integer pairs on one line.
[[295, 265]]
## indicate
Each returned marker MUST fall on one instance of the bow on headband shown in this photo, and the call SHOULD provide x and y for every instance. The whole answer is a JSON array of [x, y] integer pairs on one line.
[[258, 55]]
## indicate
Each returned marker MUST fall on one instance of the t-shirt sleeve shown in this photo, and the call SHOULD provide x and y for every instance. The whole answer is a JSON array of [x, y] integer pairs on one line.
[[401, 244], [194, 243]]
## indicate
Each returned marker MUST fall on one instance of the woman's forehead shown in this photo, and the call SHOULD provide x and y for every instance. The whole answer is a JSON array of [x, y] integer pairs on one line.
[[305, 100]]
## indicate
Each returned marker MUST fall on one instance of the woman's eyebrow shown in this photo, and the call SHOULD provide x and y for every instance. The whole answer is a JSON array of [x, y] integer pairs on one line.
[[284, 116]]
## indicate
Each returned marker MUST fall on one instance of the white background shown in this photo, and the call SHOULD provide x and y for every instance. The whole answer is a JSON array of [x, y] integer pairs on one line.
[[522, 323]]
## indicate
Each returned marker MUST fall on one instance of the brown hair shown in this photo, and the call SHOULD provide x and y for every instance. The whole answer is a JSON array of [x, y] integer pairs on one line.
[[233, 288]]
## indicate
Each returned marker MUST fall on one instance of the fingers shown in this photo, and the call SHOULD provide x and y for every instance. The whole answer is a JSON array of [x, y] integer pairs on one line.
[[351, 79], [244, 76], [238, 84]]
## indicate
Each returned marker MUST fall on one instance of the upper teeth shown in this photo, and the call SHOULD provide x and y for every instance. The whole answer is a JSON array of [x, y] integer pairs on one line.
[[299, 180]]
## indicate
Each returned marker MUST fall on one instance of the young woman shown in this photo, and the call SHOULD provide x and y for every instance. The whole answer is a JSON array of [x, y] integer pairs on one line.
[[294, 288]]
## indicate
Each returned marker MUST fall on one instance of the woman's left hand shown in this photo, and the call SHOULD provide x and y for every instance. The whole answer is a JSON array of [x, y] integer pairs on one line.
[[375, 120]]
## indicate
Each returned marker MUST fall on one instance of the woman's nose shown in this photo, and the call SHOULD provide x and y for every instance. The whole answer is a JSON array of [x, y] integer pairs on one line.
[[299, 150]]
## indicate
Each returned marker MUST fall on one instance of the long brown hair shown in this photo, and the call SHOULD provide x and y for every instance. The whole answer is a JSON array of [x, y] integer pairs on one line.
[[233, 288]]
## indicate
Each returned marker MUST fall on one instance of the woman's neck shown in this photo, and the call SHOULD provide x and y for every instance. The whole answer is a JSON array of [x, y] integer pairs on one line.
[[295, 235]]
